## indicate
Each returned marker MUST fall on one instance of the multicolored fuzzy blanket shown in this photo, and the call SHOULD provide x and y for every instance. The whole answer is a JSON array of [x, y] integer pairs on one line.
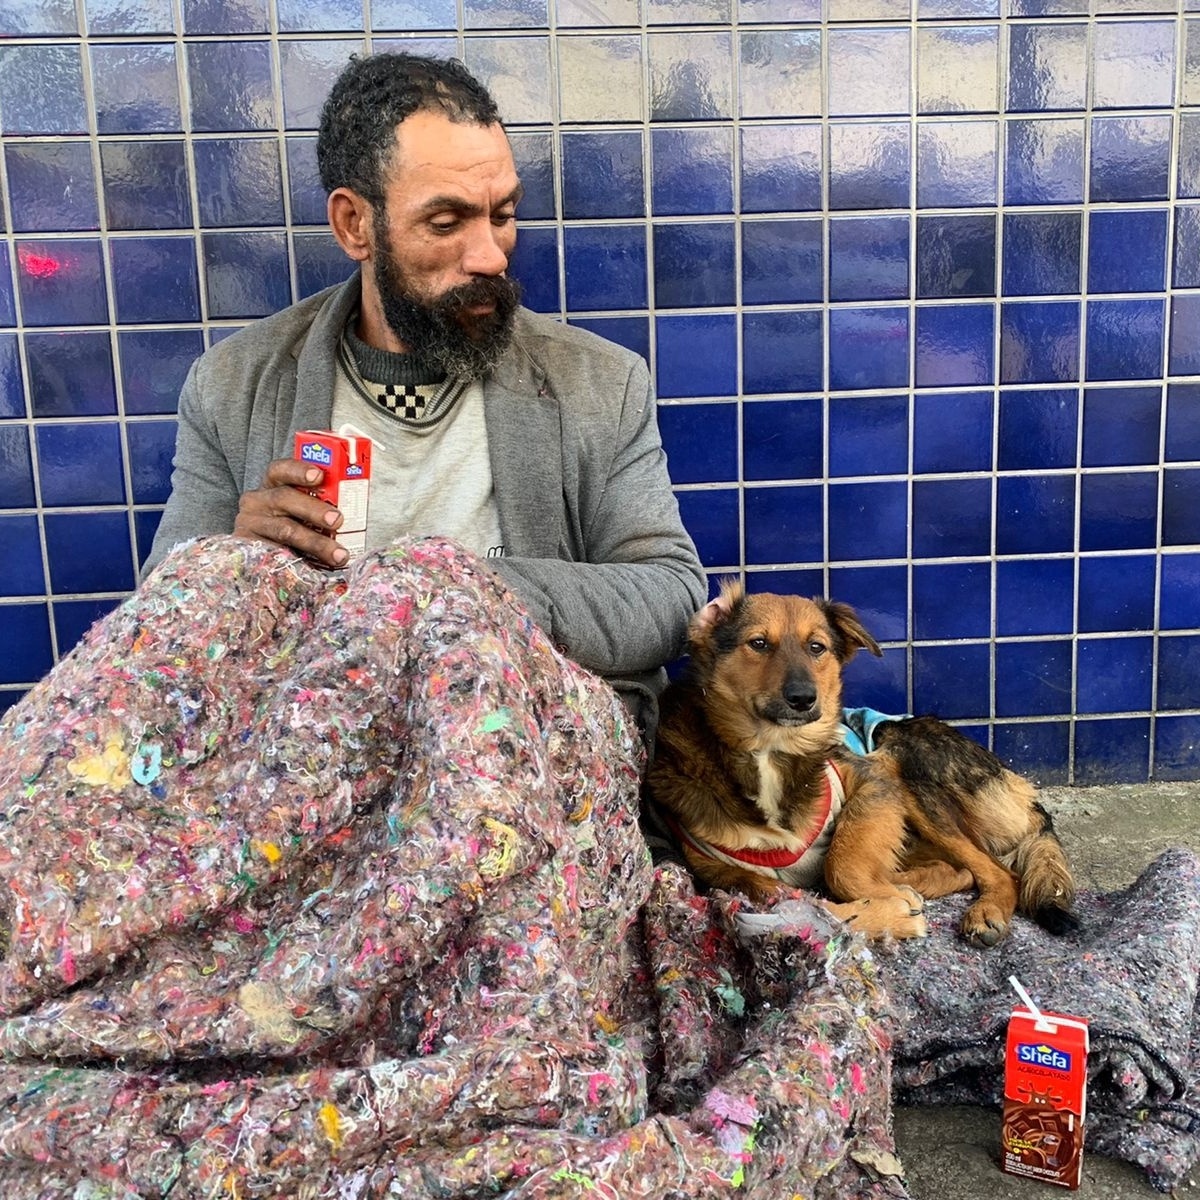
[[331, 885]]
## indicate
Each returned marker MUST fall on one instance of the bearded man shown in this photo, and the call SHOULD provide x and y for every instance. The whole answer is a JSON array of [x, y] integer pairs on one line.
[[532, 444]]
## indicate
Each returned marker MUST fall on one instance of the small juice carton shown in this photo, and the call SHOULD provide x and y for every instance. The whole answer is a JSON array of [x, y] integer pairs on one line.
[[1045, 1096], [346, 460]]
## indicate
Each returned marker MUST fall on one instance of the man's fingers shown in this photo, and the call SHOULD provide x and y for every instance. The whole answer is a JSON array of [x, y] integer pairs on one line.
[[283, 511]]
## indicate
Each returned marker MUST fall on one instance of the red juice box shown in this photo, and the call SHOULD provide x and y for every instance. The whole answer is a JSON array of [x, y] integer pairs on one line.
[[346, 461], [1045, 1096]]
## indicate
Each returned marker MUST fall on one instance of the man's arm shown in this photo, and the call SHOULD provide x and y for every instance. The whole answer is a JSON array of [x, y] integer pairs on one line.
[[626, 608]]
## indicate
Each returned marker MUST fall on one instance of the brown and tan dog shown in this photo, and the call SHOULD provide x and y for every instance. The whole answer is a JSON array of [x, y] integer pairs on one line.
[[751, 776]]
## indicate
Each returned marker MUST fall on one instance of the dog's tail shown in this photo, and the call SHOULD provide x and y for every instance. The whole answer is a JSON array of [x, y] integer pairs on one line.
[[1047, 888]]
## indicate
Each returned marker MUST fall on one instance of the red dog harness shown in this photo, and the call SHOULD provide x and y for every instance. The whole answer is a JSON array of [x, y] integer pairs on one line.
[[801, 867]]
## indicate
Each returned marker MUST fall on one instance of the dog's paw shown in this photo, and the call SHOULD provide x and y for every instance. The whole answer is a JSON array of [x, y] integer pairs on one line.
[[985, 924], [900, 915]]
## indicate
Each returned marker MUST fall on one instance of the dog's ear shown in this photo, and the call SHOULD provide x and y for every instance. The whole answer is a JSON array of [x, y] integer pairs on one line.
[[717, 611], [848, 630]]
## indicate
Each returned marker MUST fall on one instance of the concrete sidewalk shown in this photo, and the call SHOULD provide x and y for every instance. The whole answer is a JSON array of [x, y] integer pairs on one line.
[[1110, 834]]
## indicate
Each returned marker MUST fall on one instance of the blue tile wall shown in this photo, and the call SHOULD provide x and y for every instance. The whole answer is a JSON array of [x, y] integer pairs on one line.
[[918, 282]]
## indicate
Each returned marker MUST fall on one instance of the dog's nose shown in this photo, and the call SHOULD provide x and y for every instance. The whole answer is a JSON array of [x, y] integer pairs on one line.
[[800, 693]]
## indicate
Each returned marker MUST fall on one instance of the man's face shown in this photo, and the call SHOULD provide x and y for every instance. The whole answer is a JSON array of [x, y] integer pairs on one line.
[[442, 242]]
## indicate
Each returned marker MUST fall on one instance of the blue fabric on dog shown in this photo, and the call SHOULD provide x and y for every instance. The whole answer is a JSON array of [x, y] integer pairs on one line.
[[859, 725]]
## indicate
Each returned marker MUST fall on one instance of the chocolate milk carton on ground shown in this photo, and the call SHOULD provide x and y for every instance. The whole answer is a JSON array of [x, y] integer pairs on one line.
[[1045, 1096]]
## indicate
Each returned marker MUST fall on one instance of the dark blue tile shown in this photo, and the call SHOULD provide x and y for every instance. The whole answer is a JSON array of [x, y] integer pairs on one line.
[[783, 524], [779, 73], [868, 348], [951, 600], [151, 448], [711, 517], [80, 464], [16, 468], [230, 86], [1177, 748], [782, 351], [1181, 507], [62, 282], [154, 364], [1038, 429], [602, 175], [41, 90], [1035, 596], [239, 182], [52, 187], [8, 307], [21, 549], [1113, 751], [782, 439], [1183, 422], [781, 168], [73, 618], [1118, 511], [1127, 250], [70, 374], [1116, 594], [533, 154], [145, 526], [1133, 63], [700, 441], [1039, 342], [1121, 426], [321, 262], [951, 517], [38, 17], [1113, 674], [1186, 272], [146, 185], [1047, 67], [955, 345], [1130, 158], [692, 171], [697, 355], [136, 87], [631, 332], [952, 431], [1184, 356], [606, 266], [25, 632], [307, 70], [12, 390], [1188, 175], [1035, 515], [534, 264], [1039, 750], [868, 258], [1179, 672], [782, 262], [870, 165], [880, 683], [1042, 253], [106, 17], [694, 265], [1179, 602], [89, 552], [691, 76], [951, 682], [1033, 679], [878, 594], [246, 274], [868, 435], [1124, 339], [1044, 161], [155, 280], [868, 520], [414, 14], [956, 256], [802, 581], [225, 16], [305, 193], [303, 16], [957, 164]]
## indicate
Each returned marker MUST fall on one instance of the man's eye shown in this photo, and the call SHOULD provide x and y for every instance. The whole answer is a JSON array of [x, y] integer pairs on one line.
[[444, 225], [503, 218]]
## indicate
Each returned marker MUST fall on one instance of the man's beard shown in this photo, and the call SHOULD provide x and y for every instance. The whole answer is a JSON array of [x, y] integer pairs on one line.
[[441, 334]]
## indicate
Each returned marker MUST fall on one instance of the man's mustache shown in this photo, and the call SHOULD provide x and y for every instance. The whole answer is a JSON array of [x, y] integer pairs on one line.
[[492, 289]]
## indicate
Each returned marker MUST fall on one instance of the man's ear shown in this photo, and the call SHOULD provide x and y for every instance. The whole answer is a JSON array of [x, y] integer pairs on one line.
[[350, 219]]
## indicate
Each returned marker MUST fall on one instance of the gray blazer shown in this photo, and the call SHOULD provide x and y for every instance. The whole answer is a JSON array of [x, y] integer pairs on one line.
[[593, 540]]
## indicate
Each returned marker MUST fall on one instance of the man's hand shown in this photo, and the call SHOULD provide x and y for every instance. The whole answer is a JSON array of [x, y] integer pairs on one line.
[[283, 512]]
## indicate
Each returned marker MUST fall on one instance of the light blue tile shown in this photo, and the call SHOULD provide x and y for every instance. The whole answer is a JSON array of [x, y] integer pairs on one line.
[[1047, 67], [516, 70], [691, 76], [957, 164], [780, 73], [869, 72], [136, 86], [600, 78], [958, 69], [1133, 64], [41, 90]]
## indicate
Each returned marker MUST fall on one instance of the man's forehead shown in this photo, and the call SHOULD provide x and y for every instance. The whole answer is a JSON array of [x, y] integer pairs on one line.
[[430, 142]]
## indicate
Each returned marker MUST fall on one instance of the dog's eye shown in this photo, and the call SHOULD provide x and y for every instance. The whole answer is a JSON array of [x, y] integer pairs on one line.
[[816, 649], [759, 643]]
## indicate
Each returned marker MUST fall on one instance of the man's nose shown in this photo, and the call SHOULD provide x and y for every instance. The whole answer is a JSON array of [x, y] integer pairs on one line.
[[488, 250]]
